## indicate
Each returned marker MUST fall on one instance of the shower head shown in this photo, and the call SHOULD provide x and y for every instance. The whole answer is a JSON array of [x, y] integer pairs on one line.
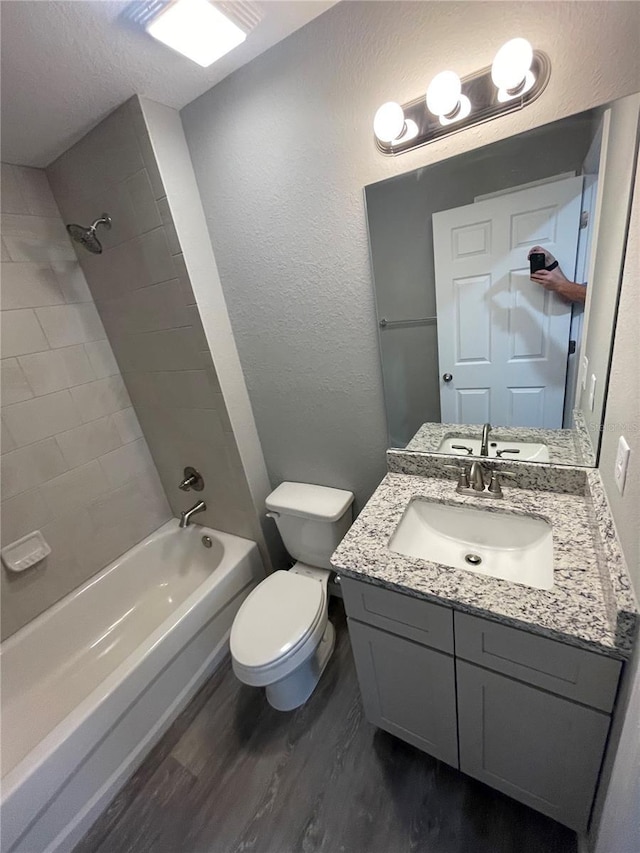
[[87, 236]]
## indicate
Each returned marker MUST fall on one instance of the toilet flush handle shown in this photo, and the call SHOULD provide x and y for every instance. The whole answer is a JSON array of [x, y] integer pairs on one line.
[[273, 514]]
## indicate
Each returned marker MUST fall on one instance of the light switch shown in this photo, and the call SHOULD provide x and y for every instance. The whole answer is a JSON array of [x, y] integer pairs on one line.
[[585, 371], [592, 390], [622, 463]]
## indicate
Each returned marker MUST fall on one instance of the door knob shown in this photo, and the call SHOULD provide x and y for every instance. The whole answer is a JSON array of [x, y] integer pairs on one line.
[[447, 377]]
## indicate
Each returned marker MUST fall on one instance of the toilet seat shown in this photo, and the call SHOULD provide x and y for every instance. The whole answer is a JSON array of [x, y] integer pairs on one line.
[[276, 620]]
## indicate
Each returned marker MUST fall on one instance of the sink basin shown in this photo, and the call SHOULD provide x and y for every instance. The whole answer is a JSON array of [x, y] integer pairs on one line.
[[516, 548], [530, 451]]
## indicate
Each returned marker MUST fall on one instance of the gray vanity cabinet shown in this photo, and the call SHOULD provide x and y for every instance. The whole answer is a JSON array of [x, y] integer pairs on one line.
[[538, 748], [523, 713], [407, 689]]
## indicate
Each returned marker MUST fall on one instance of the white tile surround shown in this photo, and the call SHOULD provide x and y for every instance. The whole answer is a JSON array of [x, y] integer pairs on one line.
[[74, 462]]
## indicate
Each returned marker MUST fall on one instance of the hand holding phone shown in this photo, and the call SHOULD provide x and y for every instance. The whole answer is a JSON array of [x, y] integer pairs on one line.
[[536, 262]]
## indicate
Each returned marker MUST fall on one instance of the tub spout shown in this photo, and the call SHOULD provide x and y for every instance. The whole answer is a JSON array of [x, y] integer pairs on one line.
[[185, 517]]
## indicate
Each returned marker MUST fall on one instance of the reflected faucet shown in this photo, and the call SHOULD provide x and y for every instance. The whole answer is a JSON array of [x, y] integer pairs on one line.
[[484, 447], [185, 517]]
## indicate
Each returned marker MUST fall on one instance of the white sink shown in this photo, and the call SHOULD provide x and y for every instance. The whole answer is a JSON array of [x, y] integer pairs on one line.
[[529, 451], [516, 548]]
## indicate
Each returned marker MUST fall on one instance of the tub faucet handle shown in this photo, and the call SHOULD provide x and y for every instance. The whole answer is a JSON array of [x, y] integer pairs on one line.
[[192, 480]]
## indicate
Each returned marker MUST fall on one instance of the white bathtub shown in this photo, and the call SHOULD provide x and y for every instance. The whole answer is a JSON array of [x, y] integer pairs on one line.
[[90, 685]]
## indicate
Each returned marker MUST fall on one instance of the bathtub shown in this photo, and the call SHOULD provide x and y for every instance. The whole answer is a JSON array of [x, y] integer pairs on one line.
[[91, 684]]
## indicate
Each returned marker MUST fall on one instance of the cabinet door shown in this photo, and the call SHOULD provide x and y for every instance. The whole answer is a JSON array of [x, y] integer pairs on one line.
[[538, 748], [407, 689]]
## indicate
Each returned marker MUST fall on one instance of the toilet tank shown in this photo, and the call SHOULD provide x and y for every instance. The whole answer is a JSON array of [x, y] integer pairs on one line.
[[312, 520]]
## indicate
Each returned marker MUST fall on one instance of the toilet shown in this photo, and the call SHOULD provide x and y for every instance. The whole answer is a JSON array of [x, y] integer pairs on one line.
[[281, 638]]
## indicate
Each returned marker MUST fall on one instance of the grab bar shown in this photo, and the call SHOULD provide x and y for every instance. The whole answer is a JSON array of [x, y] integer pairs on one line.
[[384, 323]]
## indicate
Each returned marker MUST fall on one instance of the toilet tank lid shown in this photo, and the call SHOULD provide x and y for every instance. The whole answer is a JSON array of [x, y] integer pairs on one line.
[[307, 501]]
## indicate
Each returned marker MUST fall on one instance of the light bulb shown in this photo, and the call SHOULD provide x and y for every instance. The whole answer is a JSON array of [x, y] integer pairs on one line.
[[463, 111], [443, 94], [388, 123], [511, 64]]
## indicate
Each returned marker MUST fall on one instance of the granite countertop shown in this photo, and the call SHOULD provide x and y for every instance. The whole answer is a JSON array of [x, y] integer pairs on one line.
[[591, 604], [565, 446]]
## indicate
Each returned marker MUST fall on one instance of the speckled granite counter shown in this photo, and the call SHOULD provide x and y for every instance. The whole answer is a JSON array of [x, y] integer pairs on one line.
[[591, 604], [565, 446]]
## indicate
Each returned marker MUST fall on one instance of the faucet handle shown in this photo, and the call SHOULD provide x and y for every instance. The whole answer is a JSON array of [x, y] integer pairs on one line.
[[494, 486], [463, 479], [192, 480]]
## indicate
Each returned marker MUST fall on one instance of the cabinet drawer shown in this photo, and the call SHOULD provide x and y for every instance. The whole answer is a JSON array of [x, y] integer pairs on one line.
[[566, 670], [407, 689], [414, 618], [540, 749]]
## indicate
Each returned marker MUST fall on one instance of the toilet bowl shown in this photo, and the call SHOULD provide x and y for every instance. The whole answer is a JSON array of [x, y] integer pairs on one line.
[[281, 638]]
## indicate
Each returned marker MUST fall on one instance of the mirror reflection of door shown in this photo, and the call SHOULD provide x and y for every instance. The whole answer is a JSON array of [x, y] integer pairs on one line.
[[503, 340]]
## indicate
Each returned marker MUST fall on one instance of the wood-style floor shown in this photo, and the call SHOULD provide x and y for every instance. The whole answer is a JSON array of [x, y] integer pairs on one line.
[[232, 774]]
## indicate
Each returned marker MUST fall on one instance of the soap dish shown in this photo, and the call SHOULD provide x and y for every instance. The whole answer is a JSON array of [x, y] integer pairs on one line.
[[25, 552]]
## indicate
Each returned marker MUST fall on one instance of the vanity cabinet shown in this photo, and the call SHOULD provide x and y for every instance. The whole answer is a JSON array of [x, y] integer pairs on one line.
[[403, 646], [536, 747], [524, 714], [397, 679]]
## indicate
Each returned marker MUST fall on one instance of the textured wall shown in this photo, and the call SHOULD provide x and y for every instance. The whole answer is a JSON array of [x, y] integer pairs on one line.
[[74, 463], [282, 150], [144, 296], [620, 827]]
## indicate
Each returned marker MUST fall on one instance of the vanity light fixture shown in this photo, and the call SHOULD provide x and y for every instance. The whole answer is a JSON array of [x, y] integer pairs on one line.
[[445, 99], [388, 122], [390, 125], [518, 75], [201, 30], [511, 69]]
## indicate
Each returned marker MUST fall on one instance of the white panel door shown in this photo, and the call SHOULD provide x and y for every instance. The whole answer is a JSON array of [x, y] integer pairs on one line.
[[503, 338]]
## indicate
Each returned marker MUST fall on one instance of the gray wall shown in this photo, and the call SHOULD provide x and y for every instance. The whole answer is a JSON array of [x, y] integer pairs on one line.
[[74, 462], [144, 296], [620, 827], [282, 150], [399, 215], [614, 202]]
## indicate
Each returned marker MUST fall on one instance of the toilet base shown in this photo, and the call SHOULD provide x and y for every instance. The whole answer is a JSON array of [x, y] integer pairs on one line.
[[294, 690]]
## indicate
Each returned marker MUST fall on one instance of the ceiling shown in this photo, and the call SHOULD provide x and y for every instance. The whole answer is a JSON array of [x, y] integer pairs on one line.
[[66, 64]]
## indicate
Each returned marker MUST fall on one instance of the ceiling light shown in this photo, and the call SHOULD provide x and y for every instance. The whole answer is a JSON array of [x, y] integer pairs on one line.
[[197, 29]]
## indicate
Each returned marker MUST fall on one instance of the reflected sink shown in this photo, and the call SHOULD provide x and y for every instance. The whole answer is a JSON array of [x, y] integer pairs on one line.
[[516, 548], [529, 451]]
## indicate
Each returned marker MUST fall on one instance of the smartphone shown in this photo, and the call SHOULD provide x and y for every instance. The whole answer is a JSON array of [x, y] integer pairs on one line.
[[536, 261]]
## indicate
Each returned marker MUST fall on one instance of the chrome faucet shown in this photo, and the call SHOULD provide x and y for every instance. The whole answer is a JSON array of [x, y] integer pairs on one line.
[[484, 447], [473, 480], [185, 517], [476, 477]]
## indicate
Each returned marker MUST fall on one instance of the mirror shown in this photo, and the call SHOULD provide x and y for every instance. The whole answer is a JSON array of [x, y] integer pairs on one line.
[[467, 336]]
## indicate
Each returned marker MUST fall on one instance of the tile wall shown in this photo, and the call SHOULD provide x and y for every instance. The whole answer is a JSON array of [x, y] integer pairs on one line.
[[74, 461], [144, 297]]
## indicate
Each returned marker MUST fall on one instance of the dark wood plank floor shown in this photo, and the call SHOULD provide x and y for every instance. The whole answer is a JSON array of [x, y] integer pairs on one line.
[[232, 774]]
